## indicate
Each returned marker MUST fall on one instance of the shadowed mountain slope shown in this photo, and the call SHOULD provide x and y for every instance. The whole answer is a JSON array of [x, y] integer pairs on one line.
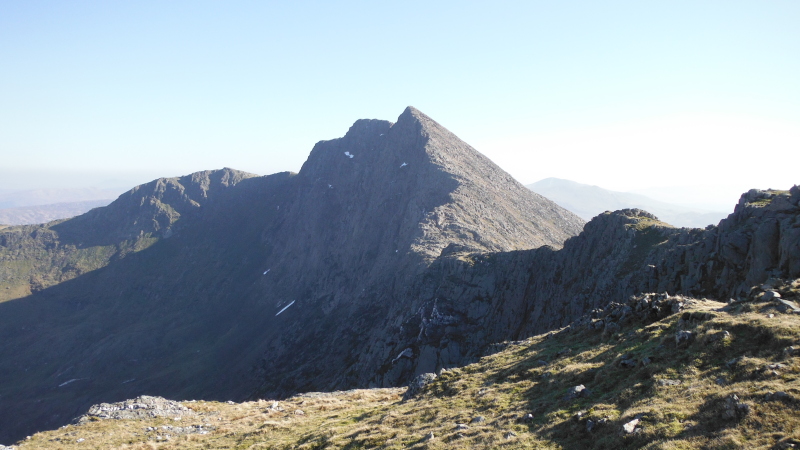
[[222, 284]]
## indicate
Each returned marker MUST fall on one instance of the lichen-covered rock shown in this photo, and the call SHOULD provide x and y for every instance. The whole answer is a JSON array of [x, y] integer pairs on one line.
[[578, 391], [735, 409], [416, 385], [683, 338], [141, 407]]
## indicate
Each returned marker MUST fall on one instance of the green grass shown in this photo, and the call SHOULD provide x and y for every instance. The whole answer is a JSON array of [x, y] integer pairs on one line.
[[35, 258]]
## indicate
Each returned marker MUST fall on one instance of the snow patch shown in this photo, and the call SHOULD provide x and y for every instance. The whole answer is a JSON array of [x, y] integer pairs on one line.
[[68, 382], [284, 308], [267, 271], [349, 155], [403, 165], [407, 353]]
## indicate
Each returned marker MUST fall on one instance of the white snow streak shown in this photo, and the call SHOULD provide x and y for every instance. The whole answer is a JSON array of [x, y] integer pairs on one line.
[[349, 155], [403, 165], [284, 308], [68, 382], [267, 271]]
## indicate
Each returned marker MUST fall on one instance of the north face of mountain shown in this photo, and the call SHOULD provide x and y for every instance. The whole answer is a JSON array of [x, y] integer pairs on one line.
[[381, 205], [221, 285]]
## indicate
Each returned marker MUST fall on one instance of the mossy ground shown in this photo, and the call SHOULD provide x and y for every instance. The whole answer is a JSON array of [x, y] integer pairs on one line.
[[35, 263], [679, 396]]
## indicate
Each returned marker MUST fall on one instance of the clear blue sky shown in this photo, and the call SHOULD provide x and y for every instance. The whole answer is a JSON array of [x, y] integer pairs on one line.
[[623, 94]]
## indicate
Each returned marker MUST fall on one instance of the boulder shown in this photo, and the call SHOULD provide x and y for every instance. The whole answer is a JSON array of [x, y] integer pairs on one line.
[[418, 384], [630, 427], [683, 338], [734, 409], [578, 391]]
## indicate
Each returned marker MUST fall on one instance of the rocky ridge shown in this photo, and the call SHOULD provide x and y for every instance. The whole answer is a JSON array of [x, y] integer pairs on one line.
[[470, 300], [408, 251]]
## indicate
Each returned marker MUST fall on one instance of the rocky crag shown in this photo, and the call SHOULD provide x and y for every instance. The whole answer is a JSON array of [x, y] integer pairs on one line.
[[466, 301], [397, 250]]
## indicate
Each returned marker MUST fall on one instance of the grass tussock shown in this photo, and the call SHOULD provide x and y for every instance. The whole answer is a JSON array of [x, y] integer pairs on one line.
[[680, 395]]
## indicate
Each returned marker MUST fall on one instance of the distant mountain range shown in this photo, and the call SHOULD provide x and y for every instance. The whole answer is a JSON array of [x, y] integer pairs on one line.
[[24, 215], [31, 206], [36, 197], [588, 201]]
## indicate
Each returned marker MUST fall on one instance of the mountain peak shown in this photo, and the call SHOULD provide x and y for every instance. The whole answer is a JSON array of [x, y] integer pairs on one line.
[[431, 176]]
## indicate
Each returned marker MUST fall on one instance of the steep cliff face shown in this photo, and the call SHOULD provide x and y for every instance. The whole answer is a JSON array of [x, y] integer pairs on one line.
[[272, 285], [380, 206]]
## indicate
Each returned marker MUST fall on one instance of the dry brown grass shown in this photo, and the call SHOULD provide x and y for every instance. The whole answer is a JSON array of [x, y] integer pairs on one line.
[[505, 386]]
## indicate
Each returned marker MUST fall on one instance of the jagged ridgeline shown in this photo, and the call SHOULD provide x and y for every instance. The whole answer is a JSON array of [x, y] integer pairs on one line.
[[396, 250], [224, 284]]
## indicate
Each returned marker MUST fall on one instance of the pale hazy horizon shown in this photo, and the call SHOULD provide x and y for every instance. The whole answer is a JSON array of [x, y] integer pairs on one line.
[[697, 101]]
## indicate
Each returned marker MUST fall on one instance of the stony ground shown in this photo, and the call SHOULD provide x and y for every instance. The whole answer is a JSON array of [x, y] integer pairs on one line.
[[657, 372]]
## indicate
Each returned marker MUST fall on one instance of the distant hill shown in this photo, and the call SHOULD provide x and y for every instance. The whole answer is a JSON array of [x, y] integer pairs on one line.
[[588, 201], [25, 215], [36, 197]]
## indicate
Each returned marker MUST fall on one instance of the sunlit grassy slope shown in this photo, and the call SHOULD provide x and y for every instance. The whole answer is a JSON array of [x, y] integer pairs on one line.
[[681, 395]]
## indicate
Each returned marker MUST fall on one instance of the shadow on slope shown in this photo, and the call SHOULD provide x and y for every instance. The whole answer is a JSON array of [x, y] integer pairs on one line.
[[180, 318]]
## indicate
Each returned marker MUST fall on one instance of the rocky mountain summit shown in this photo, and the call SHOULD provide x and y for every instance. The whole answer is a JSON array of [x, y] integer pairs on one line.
[[226, 285], [397, 250]]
